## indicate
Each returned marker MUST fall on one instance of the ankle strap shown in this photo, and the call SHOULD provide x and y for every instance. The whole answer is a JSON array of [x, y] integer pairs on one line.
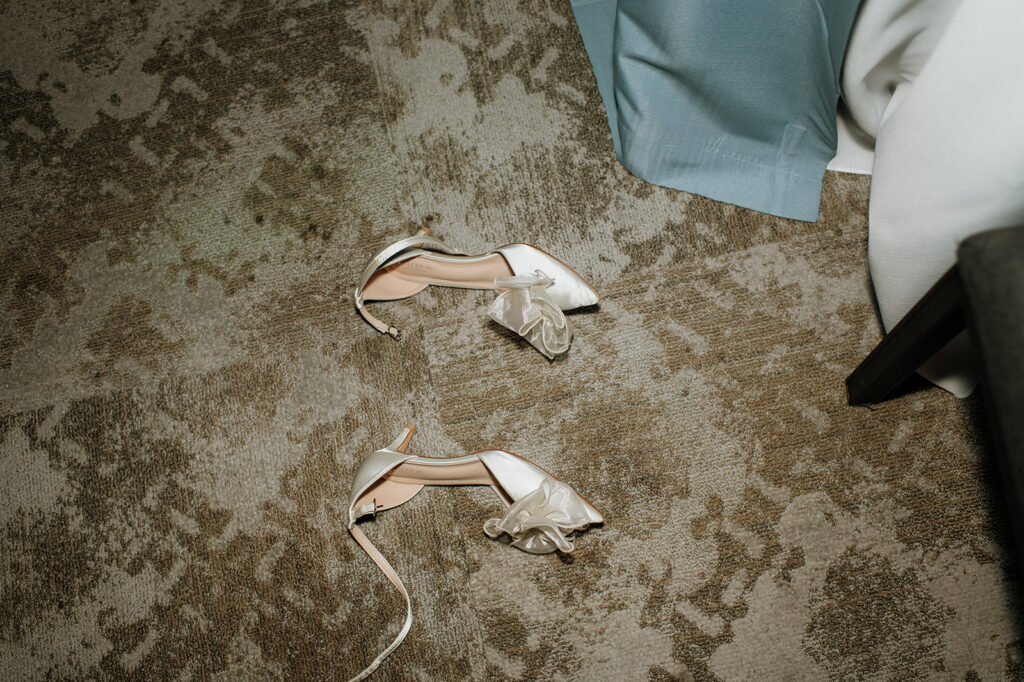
[[388, 571], [396, 253]]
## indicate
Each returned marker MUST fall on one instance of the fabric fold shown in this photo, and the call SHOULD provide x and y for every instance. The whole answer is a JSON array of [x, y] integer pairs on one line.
[[733, 100], [524, 307], [540, 522]]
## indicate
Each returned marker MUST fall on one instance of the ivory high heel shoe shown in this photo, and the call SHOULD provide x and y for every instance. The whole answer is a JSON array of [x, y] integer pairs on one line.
[[536, 287], [542, 512]]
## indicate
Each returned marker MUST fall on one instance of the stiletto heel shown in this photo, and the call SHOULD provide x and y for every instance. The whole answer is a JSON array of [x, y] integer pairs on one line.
[[400, 443], [543, 512], [535, 286]]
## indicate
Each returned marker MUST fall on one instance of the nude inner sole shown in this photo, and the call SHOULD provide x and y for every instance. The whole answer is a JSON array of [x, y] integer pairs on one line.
[[404, 481], [386, 494], [410, 276], [463, 473]]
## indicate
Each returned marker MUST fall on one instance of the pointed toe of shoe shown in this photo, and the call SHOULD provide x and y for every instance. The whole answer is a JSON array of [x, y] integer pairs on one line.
[[585, 294], [593, 514], [569, 290]]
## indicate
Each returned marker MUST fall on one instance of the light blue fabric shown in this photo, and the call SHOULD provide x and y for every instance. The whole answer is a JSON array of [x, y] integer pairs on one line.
[[731, 99]]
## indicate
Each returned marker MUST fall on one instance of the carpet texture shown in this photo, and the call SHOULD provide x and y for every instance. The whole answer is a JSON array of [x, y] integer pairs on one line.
[[190, 191]]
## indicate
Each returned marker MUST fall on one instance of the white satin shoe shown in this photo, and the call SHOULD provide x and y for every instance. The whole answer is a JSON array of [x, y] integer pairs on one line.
[[543, 512], [534, 286]]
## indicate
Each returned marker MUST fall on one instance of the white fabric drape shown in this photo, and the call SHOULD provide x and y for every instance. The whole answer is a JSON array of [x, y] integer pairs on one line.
[[938, 87]]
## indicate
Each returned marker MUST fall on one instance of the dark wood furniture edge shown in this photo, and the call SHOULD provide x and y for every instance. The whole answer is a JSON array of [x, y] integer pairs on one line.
[[931, 324]]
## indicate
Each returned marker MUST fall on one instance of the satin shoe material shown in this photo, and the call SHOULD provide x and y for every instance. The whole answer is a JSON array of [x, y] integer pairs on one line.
[[525, 307], [402, 250], [569, 291], [540, 522], [541, 286], [543, 512], [372, 468]]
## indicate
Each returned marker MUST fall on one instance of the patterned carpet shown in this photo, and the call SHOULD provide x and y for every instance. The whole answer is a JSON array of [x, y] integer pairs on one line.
[[189, 193]]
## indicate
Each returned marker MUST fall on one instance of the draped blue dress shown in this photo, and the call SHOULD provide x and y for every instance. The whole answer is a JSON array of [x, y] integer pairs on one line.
[[731, 99]]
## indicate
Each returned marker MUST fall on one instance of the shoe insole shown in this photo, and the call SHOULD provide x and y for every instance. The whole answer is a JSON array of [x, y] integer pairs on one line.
[[404, 481], [461, 473], [410, 276]]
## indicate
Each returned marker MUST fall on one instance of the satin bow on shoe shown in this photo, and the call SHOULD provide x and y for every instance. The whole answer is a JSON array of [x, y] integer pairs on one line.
[[524, 307], [540, 521]]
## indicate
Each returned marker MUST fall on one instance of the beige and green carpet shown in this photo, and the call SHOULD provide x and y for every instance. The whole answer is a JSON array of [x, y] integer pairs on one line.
[[188, 193]]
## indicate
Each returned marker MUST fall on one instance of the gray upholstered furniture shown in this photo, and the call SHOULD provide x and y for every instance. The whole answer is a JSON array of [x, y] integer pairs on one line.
[[983, 292]]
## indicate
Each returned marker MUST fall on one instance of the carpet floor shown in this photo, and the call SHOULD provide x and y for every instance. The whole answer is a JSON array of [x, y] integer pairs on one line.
[[190, 191]]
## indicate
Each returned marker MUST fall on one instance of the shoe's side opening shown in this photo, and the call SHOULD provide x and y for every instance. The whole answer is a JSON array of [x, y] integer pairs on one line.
[[403, 482], [407, 277]]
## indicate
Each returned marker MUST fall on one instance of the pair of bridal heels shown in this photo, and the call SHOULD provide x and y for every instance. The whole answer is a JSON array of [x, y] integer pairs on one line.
[[534, 287], [542, 511]]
